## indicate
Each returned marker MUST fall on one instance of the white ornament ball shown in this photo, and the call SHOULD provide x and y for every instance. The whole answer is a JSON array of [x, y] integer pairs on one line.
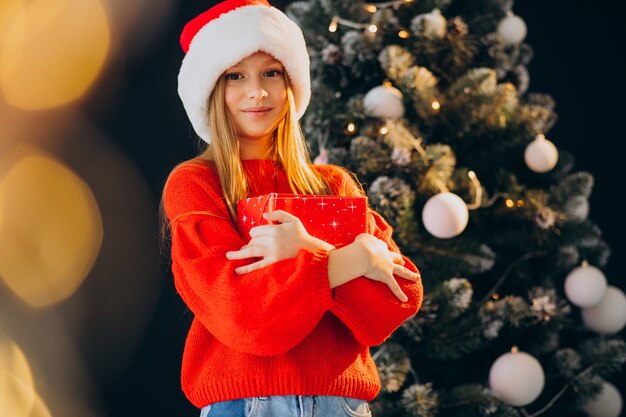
[[608, 316], [585, 286], [445, 215], [512, 29], [431, 25], [384, 102], [607, 404], [541, 155], [516, 378]]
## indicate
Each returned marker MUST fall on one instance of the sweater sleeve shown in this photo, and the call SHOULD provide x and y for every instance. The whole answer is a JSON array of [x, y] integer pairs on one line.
[[368, 307], [265, 312]]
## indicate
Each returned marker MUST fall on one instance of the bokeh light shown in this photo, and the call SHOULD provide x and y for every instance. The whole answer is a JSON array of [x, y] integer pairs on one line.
[[52, 51], [17, 391], [50, 230]]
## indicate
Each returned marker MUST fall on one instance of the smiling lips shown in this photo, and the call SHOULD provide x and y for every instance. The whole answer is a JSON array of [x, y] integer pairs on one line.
[[257, 111]]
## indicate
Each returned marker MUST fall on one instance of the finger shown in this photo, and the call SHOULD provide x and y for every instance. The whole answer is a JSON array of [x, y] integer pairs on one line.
[[397, 258], [405, 273], [246, 252], [397, 291], [252, 267], [261, 241], [266, 229], [280, 216]]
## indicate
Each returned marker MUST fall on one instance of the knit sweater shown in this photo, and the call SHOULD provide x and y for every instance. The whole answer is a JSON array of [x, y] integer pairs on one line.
[[279, 330]]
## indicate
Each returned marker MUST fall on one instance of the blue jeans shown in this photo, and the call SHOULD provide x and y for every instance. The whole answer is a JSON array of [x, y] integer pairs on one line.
[[289, 406]]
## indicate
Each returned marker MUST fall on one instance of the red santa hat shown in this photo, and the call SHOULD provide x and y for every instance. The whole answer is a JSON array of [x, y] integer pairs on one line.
[[224, 35]]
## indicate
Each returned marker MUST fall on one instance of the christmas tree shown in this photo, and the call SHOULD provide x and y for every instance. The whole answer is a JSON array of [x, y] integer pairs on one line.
[[428, 103]]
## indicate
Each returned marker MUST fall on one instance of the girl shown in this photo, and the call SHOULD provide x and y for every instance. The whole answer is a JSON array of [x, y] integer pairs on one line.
[[283, 324]]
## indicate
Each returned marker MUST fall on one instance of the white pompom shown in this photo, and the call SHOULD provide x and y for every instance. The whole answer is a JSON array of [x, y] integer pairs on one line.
[[608, 316], [431, 25], [585, 286], [445, 215], [384, 102], [516, 378], [541, 155], [512, 29], [607, 404]]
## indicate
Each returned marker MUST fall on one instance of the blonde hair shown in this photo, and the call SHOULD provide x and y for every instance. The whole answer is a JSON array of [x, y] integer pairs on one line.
[[288, 149]]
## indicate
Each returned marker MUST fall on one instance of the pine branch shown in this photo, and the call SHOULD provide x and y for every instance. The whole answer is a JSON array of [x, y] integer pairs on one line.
[[559, 394], [504, 276]]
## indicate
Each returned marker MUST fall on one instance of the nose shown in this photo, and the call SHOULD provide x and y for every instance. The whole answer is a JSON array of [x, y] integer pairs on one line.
[[257, 93], [256, 90]]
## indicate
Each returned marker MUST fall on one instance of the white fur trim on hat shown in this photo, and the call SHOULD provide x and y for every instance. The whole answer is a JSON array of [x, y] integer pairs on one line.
[[233, 36]]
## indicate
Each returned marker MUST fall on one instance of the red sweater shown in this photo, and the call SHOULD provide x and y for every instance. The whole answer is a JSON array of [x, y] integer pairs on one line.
[[280, 330]]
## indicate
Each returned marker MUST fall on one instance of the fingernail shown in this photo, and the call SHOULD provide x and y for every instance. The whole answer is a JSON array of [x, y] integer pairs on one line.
[[229, 255], [405, 298]]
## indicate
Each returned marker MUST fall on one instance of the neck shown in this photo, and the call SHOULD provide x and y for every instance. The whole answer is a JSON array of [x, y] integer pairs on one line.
[[254, 148]]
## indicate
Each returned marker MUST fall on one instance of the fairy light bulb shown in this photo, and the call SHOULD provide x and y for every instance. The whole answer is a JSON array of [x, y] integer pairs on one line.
[[372, 28], [371, 8], [509, 203], [436, 105], [351, 127], [333, 25], [384, 130], [403, 34]]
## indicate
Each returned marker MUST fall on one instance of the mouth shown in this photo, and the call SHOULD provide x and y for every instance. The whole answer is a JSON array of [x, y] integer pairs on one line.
[[257, 111]]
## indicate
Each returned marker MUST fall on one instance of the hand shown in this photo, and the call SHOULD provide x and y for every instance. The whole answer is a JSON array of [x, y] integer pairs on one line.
[[383, 264], [275, 242]]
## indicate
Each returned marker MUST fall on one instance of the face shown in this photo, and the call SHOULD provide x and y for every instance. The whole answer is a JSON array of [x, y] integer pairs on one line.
[[255, 95]]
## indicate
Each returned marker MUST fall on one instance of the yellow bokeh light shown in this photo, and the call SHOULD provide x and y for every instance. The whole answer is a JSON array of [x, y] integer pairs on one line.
[[384, 130], [53, 52], [50, 230], [371, 8], [372, 28], [520, 203], [17, 391], [403, 34], [9, 9], [436, 105], [351, 127], [509, 203]]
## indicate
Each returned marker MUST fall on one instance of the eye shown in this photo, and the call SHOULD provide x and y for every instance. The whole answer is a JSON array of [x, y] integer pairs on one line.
[[233, 76], [273, 73]]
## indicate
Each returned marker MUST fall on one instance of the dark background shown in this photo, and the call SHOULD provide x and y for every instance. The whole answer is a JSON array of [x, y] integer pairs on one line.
[[579, 60]]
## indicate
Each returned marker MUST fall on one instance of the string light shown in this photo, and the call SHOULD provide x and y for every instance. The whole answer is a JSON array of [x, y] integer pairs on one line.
[[436, 105], [478, 191], [520, 203], [509, 203], [387, 83], [371, 8], [514, 349], [351, 128], [495, 296], [333, 25], [384, 130]]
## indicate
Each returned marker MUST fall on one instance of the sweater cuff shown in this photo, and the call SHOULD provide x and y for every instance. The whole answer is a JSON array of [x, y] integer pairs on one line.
[[322, 293]]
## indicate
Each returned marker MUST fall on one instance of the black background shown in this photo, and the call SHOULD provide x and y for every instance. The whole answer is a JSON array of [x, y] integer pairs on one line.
[[579, 60]]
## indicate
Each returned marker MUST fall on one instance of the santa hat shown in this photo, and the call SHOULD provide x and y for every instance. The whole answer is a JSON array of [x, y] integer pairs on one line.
[[224, 35]]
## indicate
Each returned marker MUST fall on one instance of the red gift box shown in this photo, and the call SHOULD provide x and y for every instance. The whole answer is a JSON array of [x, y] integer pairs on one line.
[[336, 220]]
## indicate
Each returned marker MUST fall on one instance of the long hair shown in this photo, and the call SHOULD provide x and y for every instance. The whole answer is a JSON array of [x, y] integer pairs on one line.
[[288, 148]]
